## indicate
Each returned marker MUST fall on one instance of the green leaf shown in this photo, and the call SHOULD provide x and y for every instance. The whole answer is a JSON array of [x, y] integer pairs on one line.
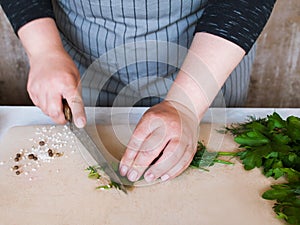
[[204, 158], [277, 173], [281, 139], [274, 194], [291, 174], [293, 125], [251, 138], [275, 121]]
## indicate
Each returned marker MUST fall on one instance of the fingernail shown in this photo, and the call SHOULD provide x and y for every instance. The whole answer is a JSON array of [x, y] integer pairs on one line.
[[149, 178], [132, 175], [80, 123], [123, 170], [165, 177]]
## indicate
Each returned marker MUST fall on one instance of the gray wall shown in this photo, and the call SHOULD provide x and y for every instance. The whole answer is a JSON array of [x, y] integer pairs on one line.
[[275, 78], [276, 71], [13, 67]]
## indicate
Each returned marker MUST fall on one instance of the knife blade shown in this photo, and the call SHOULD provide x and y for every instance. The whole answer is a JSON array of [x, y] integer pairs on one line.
[[91, 148]]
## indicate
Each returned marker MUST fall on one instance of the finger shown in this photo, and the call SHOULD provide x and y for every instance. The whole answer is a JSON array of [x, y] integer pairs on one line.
[[141, 132], [182, 164], [149, 151], [171, 156], [77, 108], [53, 105], [144, 142]]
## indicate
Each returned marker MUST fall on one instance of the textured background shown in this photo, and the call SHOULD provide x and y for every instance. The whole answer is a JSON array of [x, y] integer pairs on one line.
[[275, 78]]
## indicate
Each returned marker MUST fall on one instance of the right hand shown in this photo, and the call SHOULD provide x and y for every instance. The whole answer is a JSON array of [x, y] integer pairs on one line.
[[53, 76]]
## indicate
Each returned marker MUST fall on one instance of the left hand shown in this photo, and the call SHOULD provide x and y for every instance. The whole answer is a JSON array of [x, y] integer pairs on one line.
[[168, 133]]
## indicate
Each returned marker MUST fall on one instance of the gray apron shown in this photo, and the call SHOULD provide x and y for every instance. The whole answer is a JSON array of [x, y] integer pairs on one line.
[[129, 52]]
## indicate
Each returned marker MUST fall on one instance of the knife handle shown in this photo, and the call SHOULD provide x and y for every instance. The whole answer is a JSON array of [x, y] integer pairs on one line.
[[67, 110]]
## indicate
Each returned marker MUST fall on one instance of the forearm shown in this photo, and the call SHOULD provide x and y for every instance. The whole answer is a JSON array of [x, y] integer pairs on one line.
[[40, 37], [208, 64]]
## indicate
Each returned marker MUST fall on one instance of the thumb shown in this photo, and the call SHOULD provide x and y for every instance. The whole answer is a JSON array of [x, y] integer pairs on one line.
[[77, 108]]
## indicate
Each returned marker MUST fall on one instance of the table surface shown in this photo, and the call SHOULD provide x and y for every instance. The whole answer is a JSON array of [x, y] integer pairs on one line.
[[11, 116], [68, 198]]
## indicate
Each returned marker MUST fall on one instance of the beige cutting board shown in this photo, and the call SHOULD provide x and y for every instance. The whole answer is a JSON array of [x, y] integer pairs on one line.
[[58, 191]]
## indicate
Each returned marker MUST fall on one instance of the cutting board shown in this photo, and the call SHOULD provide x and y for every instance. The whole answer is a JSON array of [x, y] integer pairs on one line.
[[57, 191]]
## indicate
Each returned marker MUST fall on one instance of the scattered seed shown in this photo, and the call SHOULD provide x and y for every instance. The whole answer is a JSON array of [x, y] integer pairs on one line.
[[18, 172], [35, 158], [16, 167], [17, 159], [18, 155]]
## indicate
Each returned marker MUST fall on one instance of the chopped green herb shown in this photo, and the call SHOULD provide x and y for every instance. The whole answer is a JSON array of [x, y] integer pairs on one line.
[[203, 158], [94, 174]]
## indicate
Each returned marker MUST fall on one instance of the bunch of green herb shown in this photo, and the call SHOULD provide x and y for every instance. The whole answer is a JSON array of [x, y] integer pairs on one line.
[[274, 144]]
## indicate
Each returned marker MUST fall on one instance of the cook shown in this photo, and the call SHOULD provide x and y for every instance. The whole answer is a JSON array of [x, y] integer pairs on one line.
[[139, 47]]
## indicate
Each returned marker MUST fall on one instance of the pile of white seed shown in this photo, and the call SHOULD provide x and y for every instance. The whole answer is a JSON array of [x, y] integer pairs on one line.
[[48, 143]]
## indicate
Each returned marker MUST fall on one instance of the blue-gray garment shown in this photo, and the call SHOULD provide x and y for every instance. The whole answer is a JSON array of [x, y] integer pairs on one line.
[[130, 51]]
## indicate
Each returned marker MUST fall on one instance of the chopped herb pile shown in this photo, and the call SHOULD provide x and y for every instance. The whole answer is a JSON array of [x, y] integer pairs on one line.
[[94, 174], [274, 144]]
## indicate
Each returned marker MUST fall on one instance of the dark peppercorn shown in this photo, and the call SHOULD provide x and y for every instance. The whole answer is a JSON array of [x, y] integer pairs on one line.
[[50, 152], [31, 156], [41, 143], [18, 172], [35, 158], [15, 167], [17, 159], [18, 155]]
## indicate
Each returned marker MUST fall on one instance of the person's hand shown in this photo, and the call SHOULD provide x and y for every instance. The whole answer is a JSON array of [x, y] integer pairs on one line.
[[53, 76], [168, 133]]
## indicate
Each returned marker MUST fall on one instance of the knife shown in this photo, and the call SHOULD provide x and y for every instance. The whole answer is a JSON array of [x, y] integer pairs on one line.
[[91, 148]]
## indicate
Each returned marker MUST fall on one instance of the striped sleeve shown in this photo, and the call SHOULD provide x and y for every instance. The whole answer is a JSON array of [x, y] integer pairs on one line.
[[23, 11], [239, 21]]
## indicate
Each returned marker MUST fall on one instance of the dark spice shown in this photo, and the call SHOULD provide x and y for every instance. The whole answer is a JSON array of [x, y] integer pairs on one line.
[[18, 172], [15, 167], [31, 156], [58, 154], [42, 143], [50, 152], [17, 159], [18, 155], [35, 158]]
